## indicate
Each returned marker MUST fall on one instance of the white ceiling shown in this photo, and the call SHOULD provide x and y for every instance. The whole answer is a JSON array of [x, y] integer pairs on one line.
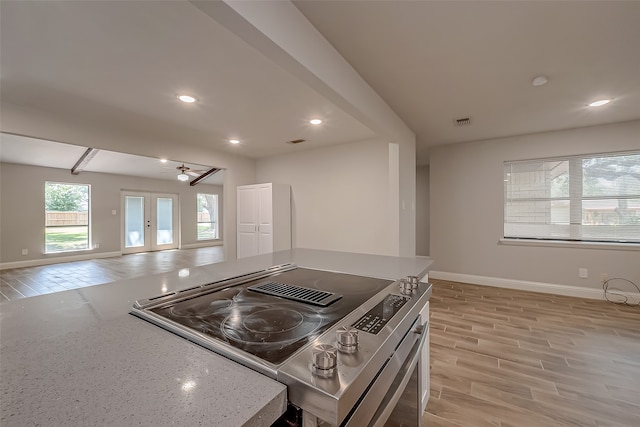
[[122, 64], [436, 61]]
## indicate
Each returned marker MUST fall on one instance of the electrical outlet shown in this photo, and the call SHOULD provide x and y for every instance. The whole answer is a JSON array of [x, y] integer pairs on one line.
[[583, 273], [25, 252], [96, 246], [604, 277]]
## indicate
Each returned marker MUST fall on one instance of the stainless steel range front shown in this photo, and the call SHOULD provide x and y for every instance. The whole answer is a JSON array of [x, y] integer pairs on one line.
[[345, 345]]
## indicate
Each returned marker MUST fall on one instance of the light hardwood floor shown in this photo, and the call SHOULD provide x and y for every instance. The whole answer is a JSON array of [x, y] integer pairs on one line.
[[505, 358]]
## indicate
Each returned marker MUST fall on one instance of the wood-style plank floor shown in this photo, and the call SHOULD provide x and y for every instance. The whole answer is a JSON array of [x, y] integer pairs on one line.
[[27, 282], [505, 358]]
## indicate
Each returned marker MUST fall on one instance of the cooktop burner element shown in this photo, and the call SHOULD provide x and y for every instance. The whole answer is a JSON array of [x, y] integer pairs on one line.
[[269, 326], [272, 321]]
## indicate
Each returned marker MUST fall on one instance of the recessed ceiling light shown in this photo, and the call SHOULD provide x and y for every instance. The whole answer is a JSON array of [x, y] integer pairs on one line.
[[187, 98], [539, 81], [234, 141], [599, 103], [315, 121], [163, 160]]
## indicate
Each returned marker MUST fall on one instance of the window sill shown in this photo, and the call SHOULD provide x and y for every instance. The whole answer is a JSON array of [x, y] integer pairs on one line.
[[72, 251], [567, 244]]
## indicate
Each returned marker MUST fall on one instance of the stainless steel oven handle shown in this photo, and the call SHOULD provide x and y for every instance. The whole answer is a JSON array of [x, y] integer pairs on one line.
[[373, 402], [382, 415]]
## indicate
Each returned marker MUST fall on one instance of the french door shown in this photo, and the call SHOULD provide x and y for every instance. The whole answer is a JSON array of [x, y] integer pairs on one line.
[[150, 221]]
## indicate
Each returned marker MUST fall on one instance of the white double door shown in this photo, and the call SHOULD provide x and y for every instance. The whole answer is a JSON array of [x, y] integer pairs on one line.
[[255, 220], [150, 221]]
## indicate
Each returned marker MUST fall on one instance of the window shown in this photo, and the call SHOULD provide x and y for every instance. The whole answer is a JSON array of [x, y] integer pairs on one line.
[[207, 216], [584, 198], [66, 217]]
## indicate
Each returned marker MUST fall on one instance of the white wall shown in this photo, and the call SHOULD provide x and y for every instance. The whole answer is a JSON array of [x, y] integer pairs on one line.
[[466, 204], [407, 206], [92, 132], [339, 196], [422, 210], [22, 208]]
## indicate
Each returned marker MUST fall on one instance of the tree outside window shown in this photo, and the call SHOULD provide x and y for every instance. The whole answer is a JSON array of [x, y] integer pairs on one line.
[[66, 217], [207, 216]]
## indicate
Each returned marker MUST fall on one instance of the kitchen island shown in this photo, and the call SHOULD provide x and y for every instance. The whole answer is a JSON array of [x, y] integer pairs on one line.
[[79, 358]]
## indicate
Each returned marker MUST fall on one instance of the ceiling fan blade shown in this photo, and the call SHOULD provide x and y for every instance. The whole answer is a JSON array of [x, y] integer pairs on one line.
[[192, 173]]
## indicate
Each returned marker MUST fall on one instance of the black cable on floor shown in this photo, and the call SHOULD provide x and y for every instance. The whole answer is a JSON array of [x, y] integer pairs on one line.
[[624, 299]]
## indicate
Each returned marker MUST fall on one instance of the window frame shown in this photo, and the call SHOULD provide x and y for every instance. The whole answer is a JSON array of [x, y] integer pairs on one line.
[[575, 196], [88, 226]]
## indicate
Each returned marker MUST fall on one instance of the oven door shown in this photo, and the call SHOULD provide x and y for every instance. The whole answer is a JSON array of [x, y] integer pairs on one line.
[[400, 385]]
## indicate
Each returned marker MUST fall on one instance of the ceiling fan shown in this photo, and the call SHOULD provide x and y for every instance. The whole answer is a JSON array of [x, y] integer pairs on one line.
[[185, 171]]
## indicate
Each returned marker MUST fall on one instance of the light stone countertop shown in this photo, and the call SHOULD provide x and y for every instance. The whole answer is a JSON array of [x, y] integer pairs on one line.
[[78, 358]]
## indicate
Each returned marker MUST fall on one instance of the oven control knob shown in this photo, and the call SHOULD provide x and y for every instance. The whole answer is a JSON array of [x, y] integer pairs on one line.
[[324, 360], [347, 338], [406, 287]]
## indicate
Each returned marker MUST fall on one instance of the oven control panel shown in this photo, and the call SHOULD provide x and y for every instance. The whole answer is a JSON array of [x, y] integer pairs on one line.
[[375, 319]]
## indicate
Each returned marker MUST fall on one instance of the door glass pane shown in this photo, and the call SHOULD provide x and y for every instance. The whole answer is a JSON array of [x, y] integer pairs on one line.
[[164, 221], [134, 221]]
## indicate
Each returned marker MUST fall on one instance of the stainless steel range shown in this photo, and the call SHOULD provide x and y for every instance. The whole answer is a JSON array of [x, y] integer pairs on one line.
[[346, 346]]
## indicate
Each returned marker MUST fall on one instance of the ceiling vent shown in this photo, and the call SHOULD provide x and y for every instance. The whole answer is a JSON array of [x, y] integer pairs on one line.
[[296, 141], [466, 121]]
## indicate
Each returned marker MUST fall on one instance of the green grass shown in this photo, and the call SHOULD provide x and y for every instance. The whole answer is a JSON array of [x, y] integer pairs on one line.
[[61, 239], [205, 231]]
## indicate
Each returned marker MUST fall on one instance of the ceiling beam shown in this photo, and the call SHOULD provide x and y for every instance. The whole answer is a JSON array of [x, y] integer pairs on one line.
[[203, 176], [84, 160]]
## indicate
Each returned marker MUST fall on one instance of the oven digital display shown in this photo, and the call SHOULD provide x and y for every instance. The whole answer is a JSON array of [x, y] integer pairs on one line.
[[378, 316]]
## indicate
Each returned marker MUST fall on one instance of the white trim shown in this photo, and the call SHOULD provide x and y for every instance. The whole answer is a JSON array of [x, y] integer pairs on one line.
[[570, 244], [547, 288], [56, 260], [202, 244]]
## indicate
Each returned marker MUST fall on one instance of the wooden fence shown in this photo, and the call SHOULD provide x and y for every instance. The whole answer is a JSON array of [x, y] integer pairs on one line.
[[59, 218], [204, 217]]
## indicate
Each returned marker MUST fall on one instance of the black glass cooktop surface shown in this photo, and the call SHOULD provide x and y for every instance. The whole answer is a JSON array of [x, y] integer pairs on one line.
[[272, 327]]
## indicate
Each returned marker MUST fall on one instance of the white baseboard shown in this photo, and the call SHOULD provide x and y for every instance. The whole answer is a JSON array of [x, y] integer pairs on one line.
[[58, 259], [547, 288], [202, 245]]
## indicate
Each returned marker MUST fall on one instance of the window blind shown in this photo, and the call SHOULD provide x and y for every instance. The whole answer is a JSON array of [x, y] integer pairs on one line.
[[580, 198]]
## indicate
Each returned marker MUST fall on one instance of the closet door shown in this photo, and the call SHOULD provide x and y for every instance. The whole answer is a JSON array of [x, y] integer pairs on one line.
[[265, 219], [247, 211]]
